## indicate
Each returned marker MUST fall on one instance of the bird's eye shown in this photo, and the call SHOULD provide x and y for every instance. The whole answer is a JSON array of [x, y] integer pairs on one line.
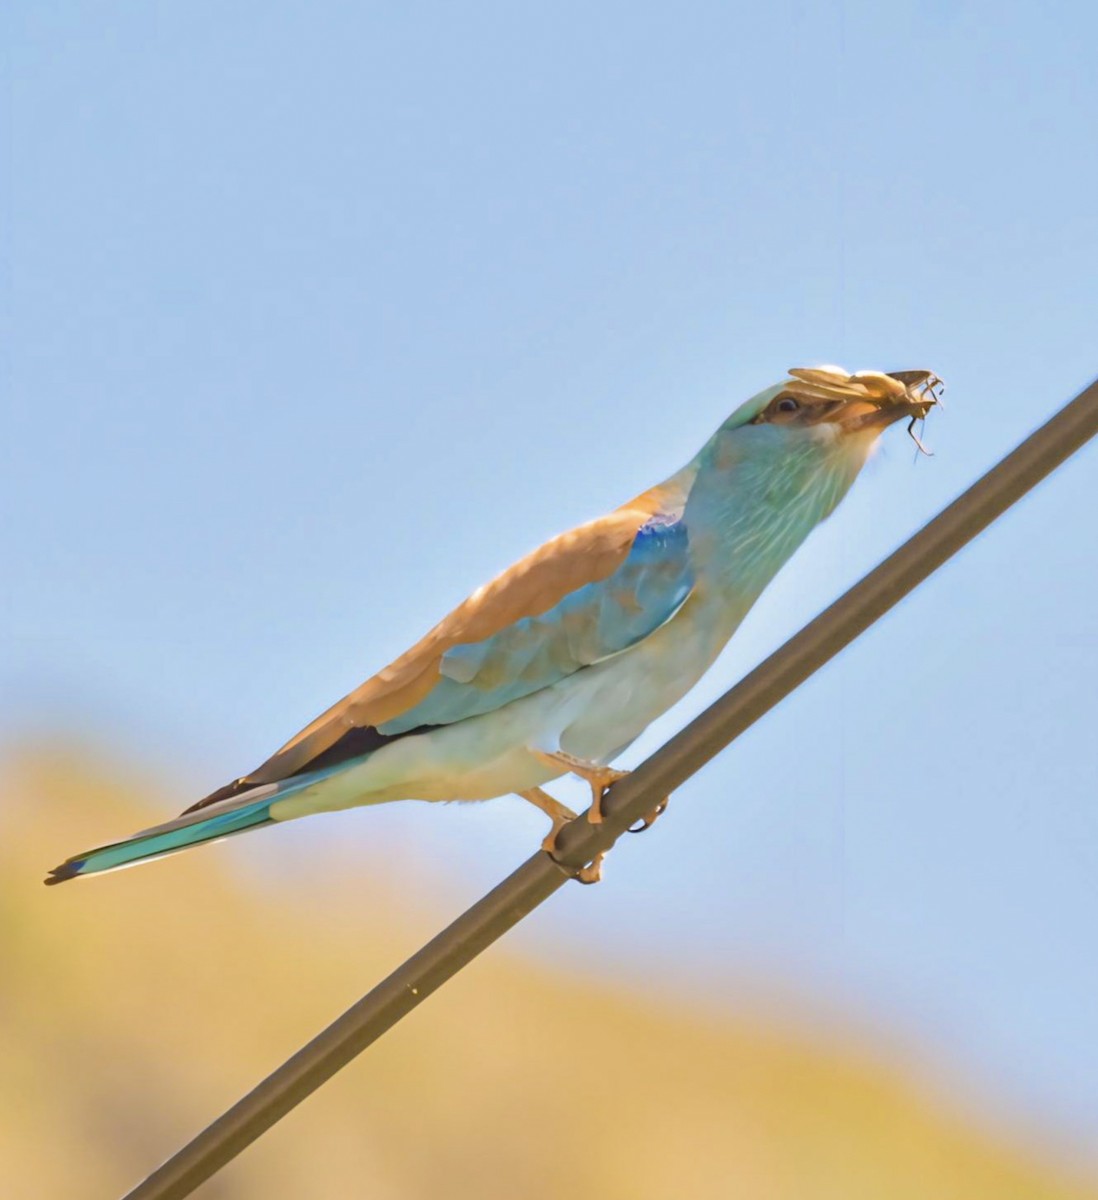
[[787, 405]]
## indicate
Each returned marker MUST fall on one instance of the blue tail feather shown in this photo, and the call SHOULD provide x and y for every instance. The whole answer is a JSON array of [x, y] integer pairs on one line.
[[191, 829], [154, 844]]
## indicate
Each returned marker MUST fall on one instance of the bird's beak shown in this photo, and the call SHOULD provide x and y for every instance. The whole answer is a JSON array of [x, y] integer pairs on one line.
[[865, 402]]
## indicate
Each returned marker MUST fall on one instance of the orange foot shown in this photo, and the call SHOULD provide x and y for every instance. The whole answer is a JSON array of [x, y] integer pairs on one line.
[[599, 778], [561, 815]]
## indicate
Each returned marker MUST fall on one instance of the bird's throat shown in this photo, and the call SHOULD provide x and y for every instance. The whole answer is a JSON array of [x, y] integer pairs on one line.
[[758, 497]]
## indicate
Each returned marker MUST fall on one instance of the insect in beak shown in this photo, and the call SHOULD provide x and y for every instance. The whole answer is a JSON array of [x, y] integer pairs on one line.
[[932, 387]]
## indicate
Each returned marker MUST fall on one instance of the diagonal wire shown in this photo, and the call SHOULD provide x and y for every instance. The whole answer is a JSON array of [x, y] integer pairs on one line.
[[686, 753]]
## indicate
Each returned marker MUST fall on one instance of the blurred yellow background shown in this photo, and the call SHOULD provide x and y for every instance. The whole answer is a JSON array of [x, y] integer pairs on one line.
[[137, 1007]]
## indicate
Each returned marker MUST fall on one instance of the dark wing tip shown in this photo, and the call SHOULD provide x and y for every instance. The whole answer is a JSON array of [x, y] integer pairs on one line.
[[223, 793], [67, 870]]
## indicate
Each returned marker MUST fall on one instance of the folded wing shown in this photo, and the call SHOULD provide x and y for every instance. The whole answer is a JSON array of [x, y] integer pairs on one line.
[[582, 597]]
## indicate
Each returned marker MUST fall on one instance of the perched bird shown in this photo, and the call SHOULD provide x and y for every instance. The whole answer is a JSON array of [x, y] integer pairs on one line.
[[558, 664]]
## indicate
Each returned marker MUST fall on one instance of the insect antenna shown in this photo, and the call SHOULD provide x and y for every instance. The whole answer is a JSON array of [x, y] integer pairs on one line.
[[915, 438]]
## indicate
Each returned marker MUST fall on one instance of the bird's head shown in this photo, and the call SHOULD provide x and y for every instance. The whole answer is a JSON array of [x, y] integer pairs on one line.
[[785, 459], [781, 463], [847, 412]]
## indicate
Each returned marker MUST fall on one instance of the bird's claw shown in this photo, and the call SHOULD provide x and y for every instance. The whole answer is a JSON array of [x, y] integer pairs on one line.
[[589, 873], [549, 842], [592, 872], [649, 819]]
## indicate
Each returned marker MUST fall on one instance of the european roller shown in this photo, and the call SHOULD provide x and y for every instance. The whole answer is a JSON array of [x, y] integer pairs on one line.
[[558, 664]]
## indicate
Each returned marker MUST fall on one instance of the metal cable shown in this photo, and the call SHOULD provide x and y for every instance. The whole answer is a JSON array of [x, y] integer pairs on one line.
[[539, 877]]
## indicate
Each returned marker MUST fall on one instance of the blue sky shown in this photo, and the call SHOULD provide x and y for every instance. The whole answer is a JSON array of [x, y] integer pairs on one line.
[[317, 316]]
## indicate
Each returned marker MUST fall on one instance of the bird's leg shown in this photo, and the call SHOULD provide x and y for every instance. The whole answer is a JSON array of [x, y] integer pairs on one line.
[[561, 815], [599, 778]]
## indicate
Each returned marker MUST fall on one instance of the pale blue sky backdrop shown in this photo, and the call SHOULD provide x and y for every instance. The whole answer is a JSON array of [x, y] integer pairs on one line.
[[316, 316]]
